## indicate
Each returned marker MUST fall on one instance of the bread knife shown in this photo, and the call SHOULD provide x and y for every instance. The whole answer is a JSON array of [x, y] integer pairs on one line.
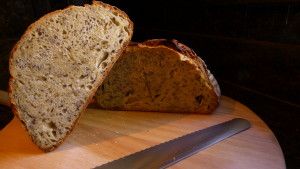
[[166, 154]]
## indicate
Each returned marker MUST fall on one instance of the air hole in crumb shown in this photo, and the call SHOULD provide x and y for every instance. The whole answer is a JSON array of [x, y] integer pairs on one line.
[[54, 133], [52, 125], [120, 41], [49, 110], [64, 32], [75, 93], [115, 13], [82, 76], [89, 87], [103, 65], [41, 134], [104, 42], [43, 78], [105, 56], [129, 92], [199, 98], [82, 86], [20, 81], [64, 110], [117, 23], [156, 95], [64, 86], [126, 29]]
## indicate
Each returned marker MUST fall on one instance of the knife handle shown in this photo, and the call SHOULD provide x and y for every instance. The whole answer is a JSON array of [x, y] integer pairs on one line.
[[4, 100], [5, 112]]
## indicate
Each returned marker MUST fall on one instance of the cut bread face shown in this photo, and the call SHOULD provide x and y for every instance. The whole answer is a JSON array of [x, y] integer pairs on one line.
[[159, 75], [58, 64]]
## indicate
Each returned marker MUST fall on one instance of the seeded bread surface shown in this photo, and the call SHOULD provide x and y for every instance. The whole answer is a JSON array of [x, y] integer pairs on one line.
[[159, 75], [58, 64]]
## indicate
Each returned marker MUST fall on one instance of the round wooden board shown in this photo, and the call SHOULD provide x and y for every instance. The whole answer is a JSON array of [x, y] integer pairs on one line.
[[102, 136]]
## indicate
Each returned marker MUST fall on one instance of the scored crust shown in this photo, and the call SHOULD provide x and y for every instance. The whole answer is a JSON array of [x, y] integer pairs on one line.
[[188, 52], [98, 81]]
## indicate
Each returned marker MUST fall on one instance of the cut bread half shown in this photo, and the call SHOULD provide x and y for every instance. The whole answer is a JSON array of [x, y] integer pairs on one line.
[[159, 75], [58, 64]]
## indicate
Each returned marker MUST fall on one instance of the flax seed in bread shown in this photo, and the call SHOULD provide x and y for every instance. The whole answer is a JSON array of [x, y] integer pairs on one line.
[[58, 64], [159, 75]]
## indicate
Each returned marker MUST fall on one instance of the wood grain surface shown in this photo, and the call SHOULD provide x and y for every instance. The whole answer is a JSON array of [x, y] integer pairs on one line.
[[102, 136]]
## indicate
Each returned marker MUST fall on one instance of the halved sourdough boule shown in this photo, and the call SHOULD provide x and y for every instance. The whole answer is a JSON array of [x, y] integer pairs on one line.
[[160, 75], [58, 64]]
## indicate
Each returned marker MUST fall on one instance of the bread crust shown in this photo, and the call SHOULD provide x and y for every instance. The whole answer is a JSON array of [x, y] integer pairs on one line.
[[188, 52], [180, 50], [97, 83]]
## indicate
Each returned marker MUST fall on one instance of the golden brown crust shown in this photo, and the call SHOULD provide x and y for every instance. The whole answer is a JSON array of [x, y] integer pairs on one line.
[[173, 44], [179, 47], [97, 83]]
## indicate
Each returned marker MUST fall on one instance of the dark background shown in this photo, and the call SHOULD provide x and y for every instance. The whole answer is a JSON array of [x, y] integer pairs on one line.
[[251, 46]]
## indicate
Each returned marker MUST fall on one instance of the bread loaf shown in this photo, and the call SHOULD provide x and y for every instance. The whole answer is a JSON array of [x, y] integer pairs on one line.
[[159, 75], [58, 64]]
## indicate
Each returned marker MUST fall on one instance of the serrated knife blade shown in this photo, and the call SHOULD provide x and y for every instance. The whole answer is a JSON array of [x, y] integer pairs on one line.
[[171, 152]]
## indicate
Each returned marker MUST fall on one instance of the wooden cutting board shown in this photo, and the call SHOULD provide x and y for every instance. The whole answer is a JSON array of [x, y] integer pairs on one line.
[[102, 136]]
